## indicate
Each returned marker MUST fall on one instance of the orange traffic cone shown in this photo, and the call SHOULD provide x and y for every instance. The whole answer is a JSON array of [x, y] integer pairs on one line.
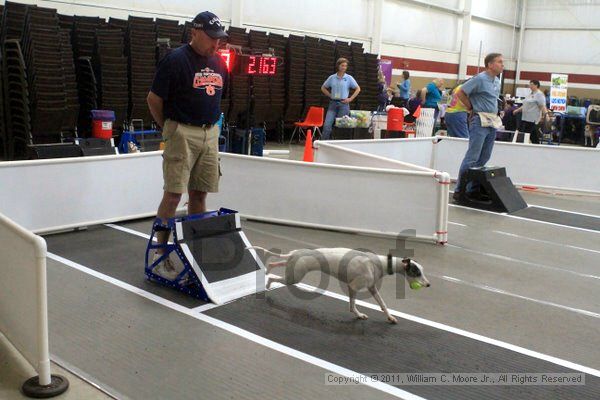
[[308, 148]]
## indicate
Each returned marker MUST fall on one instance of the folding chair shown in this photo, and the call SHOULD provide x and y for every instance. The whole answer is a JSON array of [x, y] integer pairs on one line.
[[314, 119]]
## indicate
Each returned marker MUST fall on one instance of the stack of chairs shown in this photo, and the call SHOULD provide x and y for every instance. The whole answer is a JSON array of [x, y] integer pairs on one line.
[[239, 101], [88, 94], [16, 101], [295, 72], [13, 20], [368, 96], [277, 84], [118, 24], [141, 53], [69, 128], [41, 44], [3, 135], [169, 29], [84, 42], [226, 95], [110, 68], [327, 49], [66, 23], [15, 127], [360, 74], [259, 42], [318, 72]]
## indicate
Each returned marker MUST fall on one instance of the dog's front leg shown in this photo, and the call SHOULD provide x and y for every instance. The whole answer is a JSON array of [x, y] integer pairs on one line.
[[352, 297], [384, 308]]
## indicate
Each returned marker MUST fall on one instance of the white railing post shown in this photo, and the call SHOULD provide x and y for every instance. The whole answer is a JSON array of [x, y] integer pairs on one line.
[[441, 233]]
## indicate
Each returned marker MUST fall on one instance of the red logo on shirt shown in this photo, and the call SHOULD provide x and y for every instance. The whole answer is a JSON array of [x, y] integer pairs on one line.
[[208, 80]]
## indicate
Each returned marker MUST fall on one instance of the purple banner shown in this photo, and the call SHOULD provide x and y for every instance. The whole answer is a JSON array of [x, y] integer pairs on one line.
[[386, 68]]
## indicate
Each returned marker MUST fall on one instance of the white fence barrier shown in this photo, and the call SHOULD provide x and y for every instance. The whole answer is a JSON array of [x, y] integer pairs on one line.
[[331, 153], [555, 167], [59, 194], [48, 195], [23, 295], [354, 199], [409, 151]]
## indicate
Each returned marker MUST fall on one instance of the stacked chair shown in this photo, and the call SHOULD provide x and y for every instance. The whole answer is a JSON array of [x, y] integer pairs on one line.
[[42, 52], [316, 73], [141, 53], [259, 41], [169, 29], [16, 103], [3, 134], [368, 95], [71, 92], [118, 24], [16, 128], [110, 69], [277, 85], [239, 101], [226, 95], [327, 59], [187, 32], [84, 42], [66, 23], [13, 20], [359, 72], [295, 72]]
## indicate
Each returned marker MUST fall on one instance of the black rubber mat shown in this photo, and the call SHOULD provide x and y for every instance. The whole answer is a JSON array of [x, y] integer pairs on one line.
[[560, 217], [323, 327], [114, 253], [222, 257]]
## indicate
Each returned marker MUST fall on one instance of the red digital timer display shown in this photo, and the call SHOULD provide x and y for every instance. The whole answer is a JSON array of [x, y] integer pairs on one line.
[[244, 64], [259, 65], [227, 56]]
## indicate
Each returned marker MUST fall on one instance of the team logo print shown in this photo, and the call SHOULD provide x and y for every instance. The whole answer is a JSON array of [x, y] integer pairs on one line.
[[209, 81]]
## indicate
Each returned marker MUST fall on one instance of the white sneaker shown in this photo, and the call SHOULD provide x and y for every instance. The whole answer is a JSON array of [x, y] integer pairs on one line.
[[166, 268]]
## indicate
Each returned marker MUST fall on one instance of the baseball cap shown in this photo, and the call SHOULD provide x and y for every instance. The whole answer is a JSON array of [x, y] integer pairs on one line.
[[210, 24]]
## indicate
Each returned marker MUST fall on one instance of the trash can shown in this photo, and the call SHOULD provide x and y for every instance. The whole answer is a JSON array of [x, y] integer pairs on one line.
[[102, 123]]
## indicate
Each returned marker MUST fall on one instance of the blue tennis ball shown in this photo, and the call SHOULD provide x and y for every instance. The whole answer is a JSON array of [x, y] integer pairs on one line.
[[415, 285]]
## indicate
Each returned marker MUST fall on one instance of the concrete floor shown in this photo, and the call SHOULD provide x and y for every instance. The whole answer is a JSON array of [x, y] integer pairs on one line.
[[14, 370], [526, 283]]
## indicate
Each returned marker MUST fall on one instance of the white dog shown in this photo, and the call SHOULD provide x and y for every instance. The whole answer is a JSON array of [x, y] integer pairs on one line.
[[359, 270]]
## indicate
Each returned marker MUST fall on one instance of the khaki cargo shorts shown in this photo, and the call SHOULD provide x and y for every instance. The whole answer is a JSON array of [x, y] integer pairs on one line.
[[190, 158]]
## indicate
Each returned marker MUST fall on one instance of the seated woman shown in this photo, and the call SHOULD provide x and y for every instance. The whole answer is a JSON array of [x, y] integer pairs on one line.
[[413, 104]]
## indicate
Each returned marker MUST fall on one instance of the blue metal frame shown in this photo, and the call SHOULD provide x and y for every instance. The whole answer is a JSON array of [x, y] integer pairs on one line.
[[187, 281]]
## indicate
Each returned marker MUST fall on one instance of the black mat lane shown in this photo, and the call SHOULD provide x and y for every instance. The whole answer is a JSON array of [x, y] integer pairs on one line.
[[560, 217], [323, 327], [114, 253]]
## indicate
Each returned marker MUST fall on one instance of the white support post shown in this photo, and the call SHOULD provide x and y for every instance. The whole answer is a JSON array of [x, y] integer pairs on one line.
[[441, 232], [237, 12], [42, 315], [520, 44], [464, 44], [377, 27]]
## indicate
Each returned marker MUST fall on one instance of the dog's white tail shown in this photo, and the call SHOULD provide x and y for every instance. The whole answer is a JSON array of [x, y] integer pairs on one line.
[[270, 252]]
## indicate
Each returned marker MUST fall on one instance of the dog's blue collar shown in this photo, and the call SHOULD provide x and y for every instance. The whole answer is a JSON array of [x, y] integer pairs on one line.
[[390, 267]]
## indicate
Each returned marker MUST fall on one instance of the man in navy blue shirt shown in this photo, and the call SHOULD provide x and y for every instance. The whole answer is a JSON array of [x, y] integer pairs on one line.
[[185, 101]]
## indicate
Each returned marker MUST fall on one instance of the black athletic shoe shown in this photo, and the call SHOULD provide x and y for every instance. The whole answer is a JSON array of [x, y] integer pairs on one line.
[[456, 196]]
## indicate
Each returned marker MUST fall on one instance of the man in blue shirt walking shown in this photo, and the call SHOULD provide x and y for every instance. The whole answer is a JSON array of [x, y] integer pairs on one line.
[[480, 97], [337, 88]]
